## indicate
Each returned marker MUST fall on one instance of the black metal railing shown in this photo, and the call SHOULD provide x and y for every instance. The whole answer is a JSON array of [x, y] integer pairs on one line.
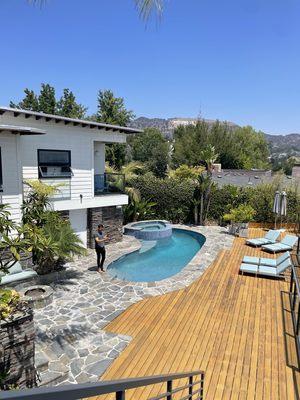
[[109, 183], [192, 390], [295, 305]]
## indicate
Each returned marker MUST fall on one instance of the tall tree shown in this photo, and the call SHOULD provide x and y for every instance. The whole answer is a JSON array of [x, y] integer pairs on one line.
[[68, 107], [47, 103], [47, 100], [112, 110], [152, 149], [238, 147], [30, 101]]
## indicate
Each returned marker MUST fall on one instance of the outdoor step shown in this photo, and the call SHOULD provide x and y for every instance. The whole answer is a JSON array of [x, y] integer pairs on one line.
[[148, 245], [52, 378], [41, 361]]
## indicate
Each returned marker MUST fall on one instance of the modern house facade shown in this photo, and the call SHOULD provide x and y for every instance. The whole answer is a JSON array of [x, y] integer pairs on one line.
[[65, 152]]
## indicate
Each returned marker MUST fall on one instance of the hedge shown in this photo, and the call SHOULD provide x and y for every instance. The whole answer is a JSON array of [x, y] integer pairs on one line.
[[174, 199]]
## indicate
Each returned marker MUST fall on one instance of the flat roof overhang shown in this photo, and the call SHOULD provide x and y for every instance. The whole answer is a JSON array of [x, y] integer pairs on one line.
[[22, 130], [75, 122]]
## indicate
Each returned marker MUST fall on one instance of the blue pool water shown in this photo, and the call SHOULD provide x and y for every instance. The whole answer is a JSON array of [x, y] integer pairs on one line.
[[160, 259]]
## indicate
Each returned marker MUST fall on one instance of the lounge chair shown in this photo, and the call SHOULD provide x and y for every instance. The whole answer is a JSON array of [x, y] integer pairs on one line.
[[266, 271], [268, 262], [16, 275], [270, 237], [287, 243]]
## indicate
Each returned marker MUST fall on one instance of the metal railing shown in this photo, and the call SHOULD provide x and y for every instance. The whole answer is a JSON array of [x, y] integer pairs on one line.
[[109, 183], [295, 306], [193, 390]]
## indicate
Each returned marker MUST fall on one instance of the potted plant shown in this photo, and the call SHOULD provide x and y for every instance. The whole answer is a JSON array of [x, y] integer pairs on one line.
[[239, 219]]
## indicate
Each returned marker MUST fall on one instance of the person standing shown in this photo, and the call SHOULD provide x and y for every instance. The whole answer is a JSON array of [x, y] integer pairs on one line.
[[100, 240]]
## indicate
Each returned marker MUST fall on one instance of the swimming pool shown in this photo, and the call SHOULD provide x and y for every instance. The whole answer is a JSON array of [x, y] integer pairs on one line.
[[160, 259]]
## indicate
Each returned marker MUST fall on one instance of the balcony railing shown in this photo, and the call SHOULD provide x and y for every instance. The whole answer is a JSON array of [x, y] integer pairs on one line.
[[109, 183], [295, 300], [191, 389]]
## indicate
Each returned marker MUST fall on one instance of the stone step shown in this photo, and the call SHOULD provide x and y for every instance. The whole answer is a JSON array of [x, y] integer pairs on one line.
[[51, 371], [52, 378], [41, 361]]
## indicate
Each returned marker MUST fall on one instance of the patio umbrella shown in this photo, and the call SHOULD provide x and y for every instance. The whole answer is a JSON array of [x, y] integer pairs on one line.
[[276, 205], [283, 206]]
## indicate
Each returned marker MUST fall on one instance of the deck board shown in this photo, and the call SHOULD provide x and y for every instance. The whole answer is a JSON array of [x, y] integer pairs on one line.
[[235, 328]]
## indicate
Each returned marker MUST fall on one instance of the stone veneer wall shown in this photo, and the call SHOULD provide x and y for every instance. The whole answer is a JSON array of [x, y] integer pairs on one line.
[[17, 351], [110, 217]]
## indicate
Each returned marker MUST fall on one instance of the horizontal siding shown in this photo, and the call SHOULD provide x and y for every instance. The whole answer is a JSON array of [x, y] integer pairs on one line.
[[82, 142], [11, 194], [59, 137]]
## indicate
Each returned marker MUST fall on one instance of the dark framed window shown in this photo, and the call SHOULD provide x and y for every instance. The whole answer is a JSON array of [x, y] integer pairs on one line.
[[1, 176], [54, 163]]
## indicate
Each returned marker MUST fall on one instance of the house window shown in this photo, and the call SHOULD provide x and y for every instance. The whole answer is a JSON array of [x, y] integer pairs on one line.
[[54, 163], [1, 176]]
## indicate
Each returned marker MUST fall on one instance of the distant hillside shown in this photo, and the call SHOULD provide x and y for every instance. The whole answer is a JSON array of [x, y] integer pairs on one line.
[[284, 146], [281, 146], [167, 126]]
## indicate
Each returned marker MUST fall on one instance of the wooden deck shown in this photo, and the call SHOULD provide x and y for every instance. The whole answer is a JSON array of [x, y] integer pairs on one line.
[[235, 328]]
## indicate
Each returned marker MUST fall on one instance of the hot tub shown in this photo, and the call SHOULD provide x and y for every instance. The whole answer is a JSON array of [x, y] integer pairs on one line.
[[149, 230]]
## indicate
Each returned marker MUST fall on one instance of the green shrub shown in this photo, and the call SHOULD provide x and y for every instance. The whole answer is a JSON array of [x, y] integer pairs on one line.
[[9, 301], [57, 244], [172, 197], [242, 213]]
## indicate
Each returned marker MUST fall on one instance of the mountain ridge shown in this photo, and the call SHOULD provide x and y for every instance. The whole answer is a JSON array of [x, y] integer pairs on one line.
[[281, 146]]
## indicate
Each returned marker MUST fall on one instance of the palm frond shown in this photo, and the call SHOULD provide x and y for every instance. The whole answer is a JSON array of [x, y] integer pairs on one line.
[[147, 7]]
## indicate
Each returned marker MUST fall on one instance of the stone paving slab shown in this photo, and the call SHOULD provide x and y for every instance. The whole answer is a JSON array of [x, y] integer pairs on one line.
[[70, 329]]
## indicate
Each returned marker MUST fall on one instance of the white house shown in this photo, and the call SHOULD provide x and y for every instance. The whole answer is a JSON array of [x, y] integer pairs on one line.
[[67, 151]]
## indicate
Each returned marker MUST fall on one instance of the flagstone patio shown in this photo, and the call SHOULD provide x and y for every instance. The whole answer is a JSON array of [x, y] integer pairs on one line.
[[69, 330]]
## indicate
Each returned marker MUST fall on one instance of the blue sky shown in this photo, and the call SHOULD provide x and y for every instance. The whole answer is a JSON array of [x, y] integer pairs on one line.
[[235, 60]]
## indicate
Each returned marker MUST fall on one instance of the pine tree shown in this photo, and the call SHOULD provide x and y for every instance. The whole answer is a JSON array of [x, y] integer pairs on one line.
[[112, 110], [68, 107], [47, 100], [30, 101]]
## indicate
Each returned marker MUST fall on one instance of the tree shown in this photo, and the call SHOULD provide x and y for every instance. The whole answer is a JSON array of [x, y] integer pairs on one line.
[[204, 185], [152, 149], [30, 101], [237, 147], [47, 100], [68, 107], [112, 110], [47, 103]]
